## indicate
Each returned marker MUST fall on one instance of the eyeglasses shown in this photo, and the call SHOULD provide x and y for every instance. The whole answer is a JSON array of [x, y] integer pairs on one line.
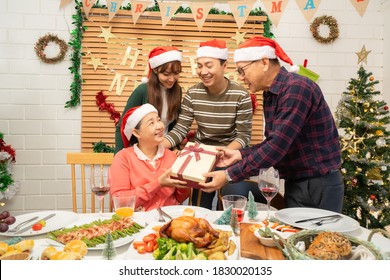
[[241, 71]]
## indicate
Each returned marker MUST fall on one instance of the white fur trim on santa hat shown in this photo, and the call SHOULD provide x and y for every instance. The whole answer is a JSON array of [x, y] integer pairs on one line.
[[136, 117], [254, 53], [208, 51], [164, 58]]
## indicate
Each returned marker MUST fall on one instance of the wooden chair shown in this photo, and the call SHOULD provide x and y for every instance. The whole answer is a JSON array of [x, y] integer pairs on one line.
[[83, 161]]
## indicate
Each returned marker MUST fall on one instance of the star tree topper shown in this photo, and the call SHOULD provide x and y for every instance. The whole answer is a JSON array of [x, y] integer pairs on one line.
[[362, 55]]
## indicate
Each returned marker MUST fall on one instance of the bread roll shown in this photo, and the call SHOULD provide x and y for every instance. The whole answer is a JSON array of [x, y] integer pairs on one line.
[[24, 246], [48, 253], [3, 248], [189, 212], [11, 252], [76, 246], [329, 246], [60, 255]]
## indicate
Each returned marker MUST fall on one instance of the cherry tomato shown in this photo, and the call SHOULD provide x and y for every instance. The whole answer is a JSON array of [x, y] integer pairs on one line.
[[37, 226], [136, 244], [149, 237], [150, 246], [141, 249]]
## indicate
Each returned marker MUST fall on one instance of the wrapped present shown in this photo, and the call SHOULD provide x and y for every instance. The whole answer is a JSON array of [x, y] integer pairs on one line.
[[194, 160]]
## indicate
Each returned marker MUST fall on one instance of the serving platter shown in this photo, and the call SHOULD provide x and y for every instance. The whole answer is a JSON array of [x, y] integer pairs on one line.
[[132, 254]]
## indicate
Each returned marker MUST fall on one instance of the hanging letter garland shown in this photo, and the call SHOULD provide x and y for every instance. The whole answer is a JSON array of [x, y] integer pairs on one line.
[[329, 21], [42, 44]]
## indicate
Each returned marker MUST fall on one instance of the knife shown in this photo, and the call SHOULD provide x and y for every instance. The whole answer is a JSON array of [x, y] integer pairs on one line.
[[29, 227], [318, 218], [166, 214]]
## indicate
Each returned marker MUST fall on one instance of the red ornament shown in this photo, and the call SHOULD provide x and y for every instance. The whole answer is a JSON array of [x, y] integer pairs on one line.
[[372, 196], [354, 182], [386, 108], [109, 107]]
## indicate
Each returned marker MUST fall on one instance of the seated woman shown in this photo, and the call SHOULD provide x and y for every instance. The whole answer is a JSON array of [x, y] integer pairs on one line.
[[143, 166]]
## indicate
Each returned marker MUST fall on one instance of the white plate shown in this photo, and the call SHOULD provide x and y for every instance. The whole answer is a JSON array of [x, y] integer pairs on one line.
[[117, 243], [60, 220], [291, 215], [177, 211], [132, 254]]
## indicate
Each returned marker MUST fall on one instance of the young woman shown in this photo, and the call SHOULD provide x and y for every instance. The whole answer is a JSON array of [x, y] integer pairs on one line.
[[143, 169], [162, 90]]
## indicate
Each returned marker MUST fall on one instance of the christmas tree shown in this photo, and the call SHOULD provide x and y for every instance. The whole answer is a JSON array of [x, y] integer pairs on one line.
[[109, 251], [365, 152]]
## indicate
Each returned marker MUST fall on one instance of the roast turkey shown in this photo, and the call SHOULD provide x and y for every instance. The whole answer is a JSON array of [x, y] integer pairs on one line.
[[190, 229]]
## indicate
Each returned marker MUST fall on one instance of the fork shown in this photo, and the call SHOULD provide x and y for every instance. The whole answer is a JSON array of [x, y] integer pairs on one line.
[[332, 220], [160, 218], [15, 229]]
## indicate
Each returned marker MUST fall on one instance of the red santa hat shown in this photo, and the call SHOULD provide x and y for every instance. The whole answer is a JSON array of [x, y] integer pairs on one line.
[[131, 119], [213, 48], [161, 55], [258, 47]]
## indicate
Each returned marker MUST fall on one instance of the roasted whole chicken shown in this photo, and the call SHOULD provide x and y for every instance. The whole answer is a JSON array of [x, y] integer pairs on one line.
[[189, 229]]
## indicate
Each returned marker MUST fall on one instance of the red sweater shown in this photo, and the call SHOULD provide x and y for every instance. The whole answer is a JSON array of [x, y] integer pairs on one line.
[[129, 173]]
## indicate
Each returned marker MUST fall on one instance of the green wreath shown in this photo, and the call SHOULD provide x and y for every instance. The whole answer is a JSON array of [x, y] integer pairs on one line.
[[42, 44], [329, 21]]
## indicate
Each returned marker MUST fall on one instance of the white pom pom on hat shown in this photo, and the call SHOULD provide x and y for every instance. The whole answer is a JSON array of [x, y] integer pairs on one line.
[[213, 48], [259, 47]]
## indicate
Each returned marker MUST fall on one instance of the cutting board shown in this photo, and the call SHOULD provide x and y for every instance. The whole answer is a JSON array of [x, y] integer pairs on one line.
[[253, 249]]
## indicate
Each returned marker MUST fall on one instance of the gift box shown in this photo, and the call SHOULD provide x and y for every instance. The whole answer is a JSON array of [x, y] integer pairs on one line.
[[194, 160]]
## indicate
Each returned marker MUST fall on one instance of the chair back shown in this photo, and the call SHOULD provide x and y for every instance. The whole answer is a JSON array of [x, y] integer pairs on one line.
[[86, 161]]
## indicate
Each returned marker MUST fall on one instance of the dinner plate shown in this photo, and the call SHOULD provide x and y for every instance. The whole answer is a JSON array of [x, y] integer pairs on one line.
[[291, 215], [132, 254], [117, 243], [177, 211], [60, 220]]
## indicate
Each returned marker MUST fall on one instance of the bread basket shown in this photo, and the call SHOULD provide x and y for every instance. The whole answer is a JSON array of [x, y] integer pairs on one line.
[[16, 257], [291, 251]]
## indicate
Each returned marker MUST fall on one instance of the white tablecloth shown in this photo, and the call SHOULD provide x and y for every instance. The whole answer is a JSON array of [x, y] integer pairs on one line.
[[41, 242]]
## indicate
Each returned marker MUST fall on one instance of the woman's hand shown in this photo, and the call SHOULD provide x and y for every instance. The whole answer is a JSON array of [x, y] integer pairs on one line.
[[166, 181]]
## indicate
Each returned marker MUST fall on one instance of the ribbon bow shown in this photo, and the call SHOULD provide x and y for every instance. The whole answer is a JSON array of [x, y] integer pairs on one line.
[[193, 149]]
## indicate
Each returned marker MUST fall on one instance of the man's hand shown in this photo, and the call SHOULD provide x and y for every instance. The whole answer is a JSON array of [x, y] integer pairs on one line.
[[227, 157], [166, 181], [217, 182]]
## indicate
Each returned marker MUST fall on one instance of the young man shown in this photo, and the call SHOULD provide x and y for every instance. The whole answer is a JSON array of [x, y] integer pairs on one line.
[[302, 141], [221, 108]]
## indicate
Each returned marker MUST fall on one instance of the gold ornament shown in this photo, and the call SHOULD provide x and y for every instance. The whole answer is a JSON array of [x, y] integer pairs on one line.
[[358, 169], [366, 104], [379, 133], [362, 55], [371, 78]]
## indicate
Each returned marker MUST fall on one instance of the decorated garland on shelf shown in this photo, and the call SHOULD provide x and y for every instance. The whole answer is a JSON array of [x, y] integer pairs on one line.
[[329, 21], [77, 36], [42, 43]]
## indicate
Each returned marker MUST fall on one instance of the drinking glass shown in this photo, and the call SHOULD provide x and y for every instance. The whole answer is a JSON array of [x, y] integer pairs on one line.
[[100, 183], [269, 185], [124, 204]]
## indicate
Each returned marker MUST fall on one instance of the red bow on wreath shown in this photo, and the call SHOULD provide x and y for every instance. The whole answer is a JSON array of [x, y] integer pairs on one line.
[[109, 107]]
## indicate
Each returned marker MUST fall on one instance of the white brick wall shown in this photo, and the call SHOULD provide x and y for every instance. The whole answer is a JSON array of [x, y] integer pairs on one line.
[[33, 94]]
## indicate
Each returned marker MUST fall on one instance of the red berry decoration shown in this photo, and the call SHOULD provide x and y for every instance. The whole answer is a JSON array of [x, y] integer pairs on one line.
[[372, 196]]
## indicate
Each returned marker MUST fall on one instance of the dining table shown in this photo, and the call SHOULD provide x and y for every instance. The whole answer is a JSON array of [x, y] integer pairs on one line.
[[145, 219]]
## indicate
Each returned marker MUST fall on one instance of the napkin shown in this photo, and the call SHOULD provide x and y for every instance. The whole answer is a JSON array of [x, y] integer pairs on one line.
[[225, 217], [361, 253]]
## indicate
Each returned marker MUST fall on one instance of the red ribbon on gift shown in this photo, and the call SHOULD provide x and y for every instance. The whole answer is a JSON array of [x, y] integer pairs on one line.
[[187, 151]]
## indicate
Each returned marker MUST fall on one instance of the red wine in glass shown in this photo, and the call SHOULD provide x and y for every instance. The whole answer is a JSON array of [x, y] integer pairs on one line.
[[99, 183], [268, 185], [240, 214], [100, 191]]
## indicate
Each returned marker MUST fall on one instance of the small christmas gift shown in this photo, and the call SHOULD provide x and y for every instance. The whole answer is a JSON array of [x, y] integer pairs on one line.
[[194, 160]]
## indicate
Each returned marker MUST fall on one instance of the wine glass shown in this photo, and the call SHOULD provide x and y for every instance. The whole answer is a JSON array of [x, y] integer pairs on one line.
[[100, 183], [269, 185]]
